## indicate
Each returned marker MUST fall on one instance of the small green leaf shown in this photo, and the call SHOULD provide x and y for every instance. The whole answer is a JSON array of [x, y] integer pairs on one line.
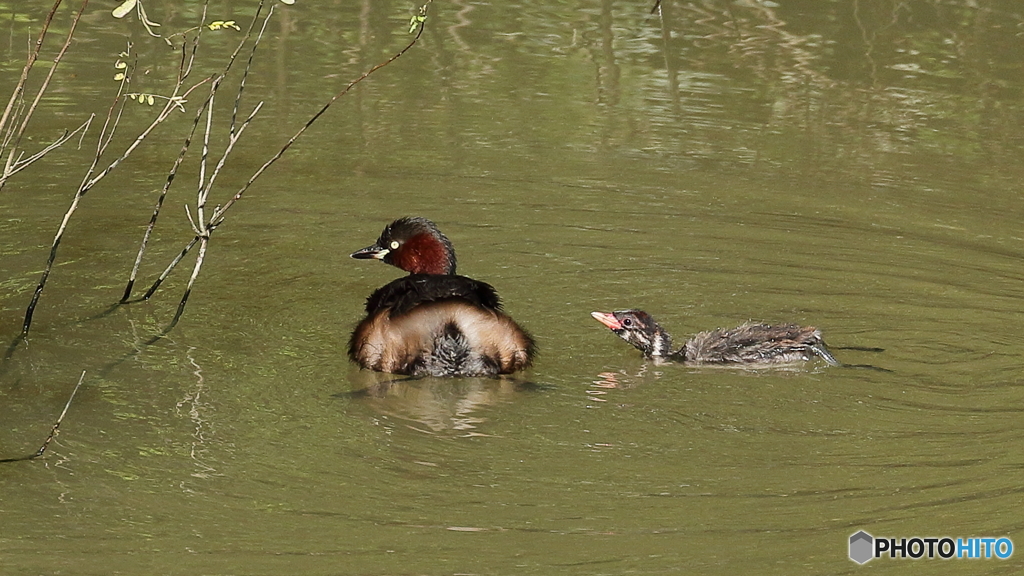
[[288, 2], [149, 99], [119, 76], [120, 65], [222, 24], [123, 10]]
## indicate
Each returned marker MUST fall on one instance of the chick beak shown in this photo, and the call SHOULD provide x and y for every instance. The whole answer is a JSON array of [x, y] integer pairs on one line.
[[605, 318]]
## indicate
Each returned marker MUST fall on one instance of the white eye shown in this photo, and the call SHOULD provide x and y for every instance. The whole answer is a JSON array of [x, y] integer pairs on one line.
[[394, 244]]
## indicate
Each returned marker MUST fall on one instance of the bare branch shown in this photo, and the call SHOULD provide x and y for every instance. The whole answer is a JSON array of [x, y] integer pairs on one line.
[[46, 82], [218, 215], [164, 113], [248, 65], [53, 431], [204, 242], [235, 136], [183, 70], [206, 107], [202, 193], [89, 180], [22, 163], [167, 271], [32, 57], [13, 137]]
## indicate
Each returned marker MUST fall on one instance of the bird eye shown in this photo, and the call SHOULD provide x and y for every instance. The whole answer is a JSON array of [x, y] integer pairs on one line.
[[627, 322], [394, 244]]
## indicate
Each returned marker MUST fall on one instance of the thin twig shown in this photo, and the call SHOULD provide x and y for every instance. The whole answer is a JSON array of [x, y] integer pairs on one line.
[[22, 163], [119, 103], [184, 149], [30, 62], [232, 140], [109, 127], [200, 226], [156, 210], [204, 242], [167, 271], [248, 65], [204, 228], [168, 108], [42, 90], [13, 137], [89, 180], [53, 431], [203, 190], [218, 215], [183, 70], [8, 132]]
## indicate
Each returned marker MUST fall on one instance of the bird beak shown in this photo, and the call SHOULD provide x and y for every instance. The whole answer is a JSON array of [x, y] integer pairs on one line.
[[607, 319], [371, 252]]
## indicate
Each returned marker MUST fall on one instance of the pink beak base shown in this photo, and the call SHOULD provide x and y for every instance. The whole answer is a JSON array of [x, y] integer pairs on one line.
[[607, 319]]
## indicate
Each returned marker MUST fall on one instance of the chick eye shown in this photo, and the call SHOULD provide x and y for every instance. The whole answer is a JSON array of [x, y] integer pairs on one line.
[[627, 322], [394, 244]]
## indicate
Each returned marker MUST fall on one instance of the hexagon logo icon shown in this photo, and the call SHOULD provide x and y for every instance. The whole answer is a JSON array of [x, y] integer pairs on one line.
[[861, 547]]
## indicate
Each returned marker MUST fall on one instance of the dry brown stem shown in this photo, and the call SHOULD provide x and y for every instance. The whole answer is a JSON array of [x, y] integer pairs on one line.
[[12, 136], [91, 178], [53, 431], [204, 228]]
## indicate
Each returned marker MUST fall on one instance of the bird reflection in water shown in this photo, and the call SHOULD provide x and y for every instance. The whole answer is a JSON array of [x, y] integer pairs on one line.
[[436, 405], [607, 381]]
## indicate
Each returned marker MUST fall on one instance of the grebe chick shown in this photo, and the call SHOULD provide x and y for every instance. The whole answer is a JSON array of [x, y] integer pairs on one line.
[[749, 343]]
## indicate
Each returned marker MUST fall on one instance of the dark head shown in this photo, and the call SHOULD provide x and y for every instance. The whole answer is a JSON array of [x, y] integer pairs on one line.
[[413, 244], [639, 329]]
